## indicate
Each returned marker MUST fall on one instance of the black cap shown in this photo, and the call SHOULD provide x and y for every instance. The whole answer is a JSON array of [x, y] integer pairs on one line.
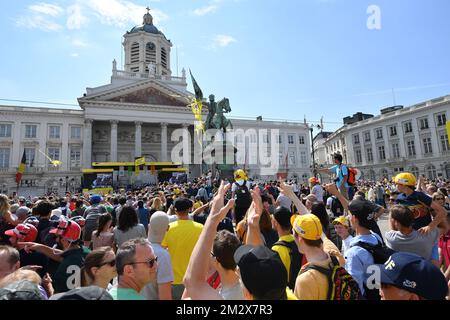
[[84, 293], [261, 270], [365, 211], [413, 273], [182, 204], [283, 216]]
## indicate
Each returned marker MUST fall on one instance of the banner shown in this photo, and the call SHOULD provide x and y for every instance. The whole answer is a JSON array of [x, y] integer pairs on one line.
[[139, 161], [448, 128]]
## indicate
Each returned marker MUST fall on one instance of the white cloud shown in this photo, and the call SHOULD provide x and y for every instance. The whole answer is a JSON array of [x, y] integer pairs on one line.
[[76, 18], [46, 8], [205, 10], [222, 40], [38, 22], [79, 43], [121, 13], [75, 55]]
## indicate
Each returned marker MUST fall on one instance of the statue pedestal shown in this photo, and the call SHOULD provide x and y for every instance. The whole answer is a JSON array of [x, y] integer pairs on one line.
[[225, 161]]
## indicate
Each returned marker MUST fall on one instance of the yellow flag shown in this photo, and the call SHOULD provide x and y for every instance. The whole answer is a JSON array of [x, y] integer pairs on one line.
[[139, 161], [448, 128]]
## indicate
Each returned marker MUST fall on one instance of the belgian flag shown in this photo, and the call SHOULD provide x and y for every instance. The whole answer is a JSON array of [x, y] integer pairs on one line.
[[21, 169]]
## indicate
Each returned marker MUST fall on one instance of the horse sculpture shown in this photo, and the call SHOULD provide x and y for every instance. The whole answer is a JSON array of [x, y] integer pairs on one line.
[[219, 121]]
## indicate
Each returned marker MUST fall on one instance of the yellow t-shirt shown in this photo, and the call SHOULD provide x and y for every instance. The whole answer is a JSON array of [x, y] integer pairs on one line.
[[283, 252], [197, 205], [311, 284], [180, 240]]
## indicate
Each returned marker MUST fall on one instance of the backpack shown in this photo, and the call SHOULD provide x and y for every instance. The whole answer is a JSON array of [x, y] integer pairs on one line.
[[336, 207], [380, 254], [296, 261], [243, 197], [351, 179], [341, 285]]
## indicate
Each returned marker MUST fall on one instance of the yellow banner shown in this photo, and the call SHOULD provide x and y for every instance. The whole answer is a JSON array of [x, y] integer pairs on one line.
[[139, 161], [448, 128]]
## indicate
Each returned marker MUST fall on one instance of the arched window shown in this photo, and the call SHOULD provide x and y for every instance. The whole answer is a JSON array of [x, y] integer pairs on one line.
[[431, 172], [415, 171], [150, 54], [164, 58]]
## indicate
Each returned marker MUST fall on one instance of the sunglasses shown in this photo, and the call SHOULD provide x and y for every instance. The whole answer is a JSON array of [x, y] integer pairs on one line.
[[111, 263], [439, 199], [150, 262]]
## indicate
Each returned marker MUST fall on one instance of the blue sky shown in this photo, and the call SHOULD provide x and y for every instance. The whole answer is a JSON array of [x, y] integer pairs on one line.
[[281, 59]]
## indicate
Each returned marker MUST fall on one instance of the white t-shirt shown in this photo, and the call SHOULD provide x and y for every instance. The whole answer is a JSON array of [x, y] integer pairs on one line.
[[235, 185], [346, 243], [164, 273], [318, 192]]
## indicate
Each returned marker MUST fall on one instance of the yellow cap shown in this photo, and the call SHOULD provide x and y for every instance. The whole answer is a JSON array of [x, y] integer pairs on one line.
[[405, 178], [342, 220], [240, 175], [313, 180], [308, 227]]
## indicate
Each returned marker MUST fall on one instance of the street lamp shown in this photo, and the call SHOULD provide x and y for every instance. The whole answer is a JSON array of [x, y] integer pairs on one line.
[[67, 182], [311, 128]]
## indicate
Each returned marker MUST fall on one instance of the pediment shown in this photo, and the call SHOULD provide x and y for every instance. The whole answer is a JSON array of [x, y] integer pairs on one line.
[[151, 96]]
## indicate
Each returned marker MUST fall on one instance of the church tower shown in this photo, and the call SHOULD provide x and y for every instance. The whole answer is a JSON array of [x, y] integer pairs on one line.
[[147, 49]]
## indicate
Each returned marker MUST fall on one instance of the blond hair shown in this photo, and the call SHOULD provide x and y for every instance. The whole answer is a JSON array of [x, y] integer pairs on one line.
[[21, 274], [4, 204]]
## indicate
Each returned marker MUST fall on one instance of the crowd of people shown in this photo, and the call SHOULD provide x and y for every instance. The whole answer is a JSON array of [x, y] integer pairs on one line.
[[239, 240]]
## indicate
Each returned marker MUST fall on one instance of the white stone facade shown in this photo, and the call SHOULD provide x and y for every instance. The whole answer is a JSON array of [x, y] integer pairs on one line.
[[410, 139]]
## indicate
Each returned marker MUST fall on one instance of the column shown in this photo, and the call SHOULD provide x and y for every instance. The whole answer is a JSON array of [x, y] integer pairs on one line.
[[163, 141], [65, 148], [113, 152], [87, 143], [186, 144], [138, 139]]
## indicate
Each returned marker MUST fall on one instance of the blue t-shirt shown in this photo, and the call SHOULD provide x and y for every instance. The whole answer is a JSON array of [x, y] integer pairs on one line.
[[144, 217], [340, 171], [419, 203], [357, 259]]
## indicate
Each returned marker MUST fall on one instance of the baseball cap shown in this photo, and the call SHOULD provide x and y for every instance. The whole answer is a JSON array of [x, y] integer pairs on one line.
[[364, 211], [67, 229], [83, 293], [96, 199], [22, 212], [261, 270], [158, 226], [13, 208], [25, 232], [308, 226], [342, 220], [283, 216], [413, 273], [182, 204], [313, 180]]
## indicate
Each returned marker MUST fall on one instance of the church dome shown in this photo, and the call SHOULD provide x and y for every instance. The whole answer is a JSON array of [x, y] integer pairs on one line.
[[147, 25]]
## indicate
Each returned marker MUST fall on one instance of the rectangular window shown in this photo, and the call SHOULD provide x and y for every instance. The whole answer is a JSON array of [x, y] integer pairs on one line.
[[266, 138], [75, 132], [423, 123], [358, 156], [30, 154], [290, 139], [393, 131], [381, 153], [367, 136], [30, 131], [427, 149], [411, 148], [75, 157], [441, 119], [291, 158], [408, 127], [356, 139], [338, 144], [54, 132], [5, 130], [53, 153], [4, 157], [379, 133], [280, 139], [239, 138], [369, 155], [444, 142], [395, 151], [302, 139], [252, 138], [303, 158]]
